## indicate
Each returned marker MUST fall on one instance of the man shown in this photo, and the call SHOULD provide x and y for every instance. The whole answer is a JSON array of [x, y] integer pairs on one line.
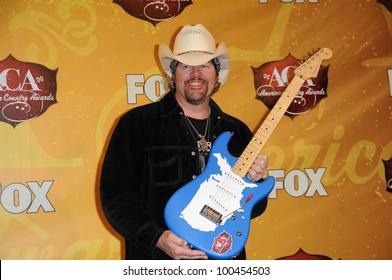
[[157, 148]]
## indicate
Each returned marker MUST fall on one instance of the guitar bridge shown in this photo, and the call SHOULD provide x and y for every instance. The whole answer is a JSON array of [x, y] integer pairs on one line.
[[211, 214]]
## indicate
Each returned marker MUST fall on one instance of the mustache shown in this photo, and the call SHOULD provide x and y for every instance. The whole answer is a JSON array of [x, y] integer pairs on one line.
[[195, 80]]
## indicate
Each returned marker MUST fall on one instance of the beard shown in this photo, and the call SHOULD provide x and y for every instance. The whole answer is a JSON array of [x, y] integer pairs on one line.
[[196, 96]]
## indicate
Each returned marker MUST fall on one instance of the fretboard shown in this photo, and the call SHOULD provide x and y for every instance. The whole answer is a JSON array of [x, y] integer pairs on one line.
[[258, 141]]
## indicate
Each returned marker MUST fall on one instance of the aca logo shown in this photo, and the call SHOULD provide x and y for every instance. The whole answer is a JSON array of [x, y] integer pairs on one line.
[[292, 1], [388, 174], [153, 11], [27, 90], [302, 255], [272, 78]]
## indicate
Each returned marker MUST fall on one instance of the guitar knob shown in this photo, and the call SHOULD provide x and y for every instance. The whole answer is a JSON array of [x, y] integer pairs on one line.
[[239, 233], [233, 217]]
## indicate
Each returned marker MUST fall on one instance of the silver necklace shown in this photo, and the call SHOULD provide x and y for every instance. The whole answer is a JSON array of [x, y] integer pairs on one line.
[[203, 144]]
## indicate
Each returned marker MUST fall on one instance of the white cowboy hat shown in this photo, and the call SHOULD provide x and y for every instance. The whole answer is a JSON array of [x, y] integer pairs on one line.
[[194, 45]]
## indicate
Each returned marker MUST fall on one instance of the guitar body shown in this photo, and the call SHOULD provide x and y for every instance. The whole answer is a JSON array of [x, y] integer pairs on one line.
[[213, 212]]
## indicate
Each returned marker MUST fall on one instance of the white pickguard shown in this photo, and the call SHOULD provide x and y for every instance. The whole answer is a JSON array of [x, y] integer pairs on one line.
[[221, 191]]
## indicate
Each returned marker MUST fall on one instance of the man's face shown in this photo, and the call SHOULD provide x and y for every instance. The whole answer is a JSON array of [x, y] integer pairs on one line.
[[195, 84]]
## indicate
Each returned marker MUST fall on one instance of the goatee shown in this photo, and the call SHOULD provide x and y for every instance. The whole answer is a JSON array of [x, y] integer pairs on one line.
[[196, 98]]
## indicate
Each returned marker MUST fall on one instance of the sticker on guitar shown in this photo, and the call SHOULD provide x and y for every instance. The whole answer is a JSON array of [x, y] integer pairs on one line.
[[222, 243]]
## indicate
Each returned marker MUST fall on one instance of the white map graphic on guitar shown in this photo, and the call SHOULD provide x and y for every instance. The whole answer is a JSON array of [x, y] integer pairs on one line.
[[227, 193]]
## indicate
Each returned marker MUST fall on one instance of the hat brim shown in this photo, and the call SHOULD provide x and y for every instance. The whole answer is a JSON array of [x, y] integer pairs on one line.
[[166, 56]]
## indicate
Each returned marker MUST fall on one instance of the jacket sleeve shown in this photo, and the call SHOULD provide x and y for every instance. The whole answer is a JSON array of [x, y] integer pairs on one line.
[[120, 188]]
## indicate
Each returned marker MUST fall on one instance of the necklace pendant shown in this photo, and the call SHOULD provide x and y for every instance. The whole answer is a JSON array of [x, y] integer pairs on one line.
[[204, 145]]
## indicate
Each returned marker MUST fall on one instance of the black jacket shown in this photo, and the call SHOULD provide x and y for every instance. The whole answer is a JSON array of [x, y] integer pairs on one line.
[[152, 154]]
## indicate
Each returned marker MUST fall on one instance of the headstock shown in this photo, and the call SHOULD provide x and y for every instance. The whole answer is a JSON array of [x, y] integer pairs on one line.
[[310, 67]]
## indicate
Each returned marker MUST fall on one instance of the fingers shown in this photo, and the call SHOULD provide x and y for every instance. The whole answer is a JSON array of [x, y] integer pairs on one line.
[[195, 254], [261, 164], [171, 237], [177, 247], [258, 168]]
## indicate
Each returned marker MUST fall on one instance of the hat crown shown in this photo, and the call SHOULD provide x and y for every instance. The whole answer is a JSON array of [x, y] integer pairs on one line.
[[194, 39], [194, 45]]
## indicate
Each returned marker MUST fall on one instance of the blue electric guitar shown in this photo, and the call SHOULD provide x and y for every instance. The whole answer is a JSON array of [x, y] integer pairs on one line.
[[213, 212]]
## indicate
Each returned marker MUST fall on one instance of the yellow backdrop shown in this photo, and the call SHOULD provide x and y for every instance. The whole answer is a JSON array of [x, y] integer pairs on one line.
[[106, 64]]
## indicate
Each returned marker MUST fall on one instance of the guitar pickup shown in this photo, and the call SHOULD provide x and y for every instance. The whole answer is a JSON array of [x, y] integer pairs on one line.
[[211, 214]]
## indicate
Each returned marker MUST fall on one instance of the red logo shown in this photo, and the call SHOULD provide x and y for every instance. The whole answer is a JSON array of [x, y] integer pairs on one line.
[[27, 90], [302, 255], [153, 11], [271, 80], [222, 243], [388, 174]]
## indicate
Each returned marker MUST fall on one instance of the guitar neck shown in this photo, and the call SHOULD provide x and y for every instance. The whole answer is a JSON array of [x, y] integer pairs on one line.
[[258, 141]]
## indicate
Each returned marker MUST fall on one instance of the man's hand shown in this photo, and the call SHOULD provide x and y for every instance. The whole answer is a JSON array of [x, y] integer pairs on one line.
[[258, 168], [177, 248]]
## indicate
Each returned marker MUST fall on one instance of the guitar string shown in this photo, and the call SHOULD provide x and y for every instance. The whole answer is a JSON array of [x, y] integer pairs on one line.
[[224, 197], [213, 203], [216, 199], [220, 195]]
